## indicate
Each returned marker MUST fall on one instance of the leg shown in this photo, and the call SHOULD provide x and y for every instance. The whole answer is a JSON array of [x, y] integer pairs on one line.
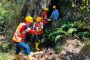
[[17, 52], [25, 47], [17, 49], [37, 43]]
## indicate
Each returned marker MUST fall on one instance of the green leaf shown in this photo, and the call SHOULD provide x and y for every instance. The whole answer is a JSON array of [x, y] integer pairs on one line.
[[5, 45], [57, 37], [71, 30]]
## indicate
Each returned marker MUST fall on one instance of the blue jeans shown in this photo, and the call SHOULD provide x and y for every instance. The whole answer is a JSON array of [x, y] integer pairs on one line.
[[38, 37], [22, 45]]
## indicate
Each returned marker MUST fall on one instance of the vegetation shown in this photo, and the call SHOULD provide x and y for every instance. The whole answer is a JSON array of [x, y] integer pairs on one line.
[[74, 23], [86, 48], [9, 15], [4, 56]]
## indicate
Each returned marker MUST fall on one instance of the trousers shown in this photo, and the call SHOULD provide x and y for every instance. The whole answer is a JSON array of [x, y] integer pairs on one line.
[[22, 45]]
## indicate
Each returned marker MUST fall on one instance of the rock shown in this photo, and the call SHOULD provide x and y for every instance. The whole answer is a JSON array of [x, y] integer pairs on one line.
[[73, 46], [71, 51]]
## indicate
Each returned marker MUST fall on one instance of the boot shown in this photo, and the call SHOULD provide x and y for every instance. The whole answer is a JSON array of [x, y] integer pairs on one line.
[[17, 57], [36, 46], [29, 57]]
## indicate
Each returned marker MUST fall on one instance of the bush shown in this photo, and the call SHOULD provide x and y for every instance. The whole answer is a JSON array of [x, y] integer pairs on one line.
[[9, 14]]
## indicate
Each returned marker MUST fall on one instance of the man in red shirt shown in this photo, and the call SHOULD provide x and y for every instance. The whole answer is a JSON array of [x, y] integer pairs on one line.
[[44, 16]]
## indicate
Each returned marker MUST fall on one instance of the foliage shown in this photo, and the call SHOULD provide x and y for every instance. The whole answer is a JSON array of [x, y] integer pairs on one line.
[[6, 13], [9, 14], [6, 56], [68, 29], [6, 46]]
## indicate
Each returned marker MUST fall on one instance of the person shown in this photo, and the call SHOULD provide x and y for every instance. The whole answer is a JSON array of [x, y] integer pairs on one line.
[[19, 36], [55, 14], [38, 26], [44, 16]]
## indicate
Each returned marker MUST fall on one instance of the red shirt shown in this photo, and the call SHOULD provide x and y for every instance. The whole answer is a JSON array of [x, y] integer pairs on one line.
[[44, 17]]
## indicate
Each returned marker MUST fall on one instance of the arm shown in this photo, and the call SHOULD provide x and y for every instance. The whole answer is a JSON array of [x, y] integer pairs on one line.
[[51, 15], [25, 29], [34, 26], [41, 25]]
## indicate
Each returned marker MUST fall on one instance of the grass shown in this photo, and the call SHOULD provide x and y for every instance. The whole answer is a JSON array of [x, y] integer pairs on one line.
[[7, 55]]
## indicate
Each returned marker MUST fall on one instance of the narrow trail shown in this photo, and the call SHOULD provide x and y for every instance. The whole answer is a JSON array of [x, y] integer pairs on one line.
[[70, 51]]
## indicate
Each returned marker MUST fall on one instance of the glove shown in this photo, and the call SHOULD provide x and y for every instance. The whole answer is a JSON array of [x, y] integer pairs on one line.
[[39, 32], [49, 19], [32, 31]]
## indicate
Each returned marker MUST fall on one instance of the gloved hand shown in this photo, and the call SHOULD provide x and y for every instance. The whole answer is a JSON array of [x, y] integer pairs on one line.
[[49, 19], [39, 32], [32, 31]]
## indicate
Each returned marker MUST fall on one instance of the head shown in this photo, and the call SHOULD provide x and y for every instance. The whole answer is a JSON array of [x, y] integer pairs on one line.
[[46, 9], [29, 20], [38, 19], [54, 7]]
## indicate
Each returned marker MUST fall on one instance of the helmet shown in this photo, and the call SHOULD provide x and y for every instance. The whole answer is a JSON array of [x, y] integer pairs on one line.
[[54, 7], [38, 19], [46, 9], [29, 19]]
